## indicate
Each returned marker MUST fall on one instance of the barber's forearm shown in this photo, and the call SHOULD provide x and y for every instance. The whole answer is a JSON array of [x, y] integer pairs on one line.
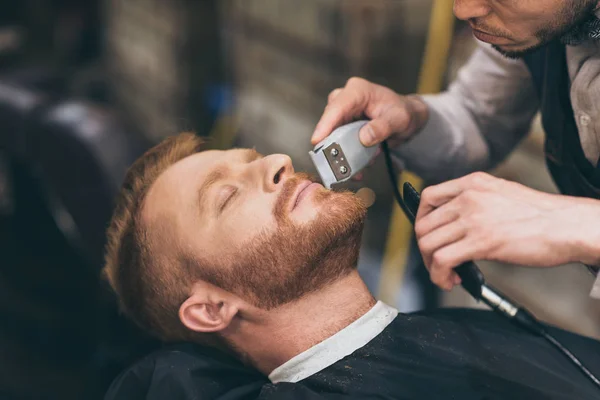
[[477, 122], [445, 146]]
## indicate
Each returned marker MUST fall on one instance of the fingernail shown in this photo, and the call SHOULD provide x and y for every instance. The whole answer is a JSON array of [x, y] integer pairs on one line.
[[367, 136], [316, 131], [314, 135]]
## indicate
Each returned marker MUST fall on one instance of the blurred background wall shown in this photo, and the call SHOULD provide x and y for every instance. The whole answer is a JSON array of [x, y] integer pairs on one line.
[[87, 86]]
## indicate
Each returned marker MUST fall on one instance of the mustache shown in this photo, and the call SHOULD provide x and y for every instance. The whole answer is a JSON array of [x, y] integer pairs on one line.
[[479, 26], [289, 189]]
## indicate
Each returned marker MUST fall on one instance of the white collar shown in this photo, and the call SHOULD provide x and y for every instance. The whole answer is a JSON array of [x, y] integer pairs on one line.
[[336, 347]]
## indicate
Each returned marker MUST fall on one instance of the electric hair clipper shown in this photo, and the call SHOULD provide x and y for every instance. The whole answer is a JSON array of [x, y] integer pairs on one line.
[[341, 155]]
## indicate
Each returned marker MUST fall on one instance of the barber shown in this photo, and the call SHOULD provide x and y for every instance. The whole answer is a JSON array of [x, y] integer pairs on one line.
[[541, 55]]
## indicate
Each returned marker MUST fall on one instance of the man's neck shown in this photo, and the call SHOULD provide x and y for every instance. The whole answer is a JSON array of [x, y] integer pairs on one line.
[[271, 338]]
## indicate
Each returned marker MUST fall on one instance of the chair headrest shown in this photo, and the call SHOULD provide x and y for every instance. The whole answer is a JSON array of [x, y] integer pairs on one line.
[[17, 106], [81, 152]]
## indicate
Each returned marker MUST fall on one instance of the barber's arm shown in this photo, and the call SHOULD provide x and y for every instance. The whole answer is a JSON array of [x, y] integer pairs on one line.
[[472, 126]]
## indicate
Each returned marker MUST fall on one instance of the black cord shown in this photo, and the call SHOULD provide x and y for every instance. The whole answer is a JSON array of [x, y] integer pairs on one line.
[[572, 358], [523, 318], [390, 167]]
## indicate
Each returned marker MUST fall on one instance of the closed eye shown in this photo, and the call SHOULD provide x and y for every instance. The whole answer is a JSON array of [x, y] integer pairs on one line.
[[226, 198]]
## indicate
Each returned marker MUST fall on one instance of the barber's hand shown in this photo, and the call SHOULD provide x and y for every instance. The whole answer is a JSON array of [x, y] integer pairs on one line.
[[480, 217], [392, 116]]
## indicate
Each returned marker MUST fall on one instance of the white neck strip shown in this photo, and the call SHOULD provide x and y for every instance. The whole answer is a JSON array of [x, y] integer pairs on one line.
[[336, 347]]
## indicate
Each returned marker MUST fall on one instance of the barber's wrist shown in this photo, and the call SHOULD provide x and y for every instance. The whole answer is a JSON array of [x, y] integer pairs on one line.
[[592, 251], [587, 232], [420, 113]]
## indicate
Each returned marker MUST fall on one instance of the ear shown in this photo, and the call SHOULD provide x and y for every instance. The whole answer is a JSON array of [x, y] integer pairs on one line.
[[207, 312]]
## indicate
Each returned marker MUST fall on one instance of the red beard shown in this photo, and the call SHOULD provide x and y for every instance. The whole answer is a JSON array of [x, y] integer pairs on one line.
[[280, 267]]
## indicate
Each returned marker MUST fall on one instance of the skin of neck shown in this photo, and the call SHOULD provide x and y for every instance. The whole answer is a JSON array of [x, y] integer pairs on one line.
[[267, 339]]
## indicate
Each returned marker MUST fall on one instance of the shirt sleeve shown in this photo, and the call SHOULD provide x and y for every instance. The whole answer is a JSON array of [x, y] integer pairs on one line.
[[477, 122]]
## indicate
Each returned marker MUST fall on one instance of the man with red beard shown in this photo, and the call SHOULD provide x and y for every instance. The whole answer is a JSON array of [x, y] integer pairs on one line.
[[248, 270]]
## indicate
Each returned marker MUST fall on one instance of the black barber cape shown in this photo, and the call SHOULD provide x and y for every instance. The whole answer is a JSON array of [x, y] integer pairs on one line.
[[445, 354]]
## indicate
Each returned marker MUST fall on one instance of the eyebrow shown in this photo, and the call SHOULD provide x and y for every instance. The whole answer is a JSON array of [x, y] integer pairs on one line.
[[212, 178], [219, 173]]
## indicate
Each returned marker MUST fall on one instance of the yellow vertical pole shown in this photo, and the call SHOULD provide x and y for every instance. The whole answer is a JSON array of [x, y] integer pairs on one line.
[[433, 69]]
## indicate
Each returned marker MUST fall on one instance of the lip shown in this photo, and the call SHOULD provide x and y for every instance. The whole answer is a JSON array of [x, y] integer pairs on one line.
[[491, 39], [303, 190]]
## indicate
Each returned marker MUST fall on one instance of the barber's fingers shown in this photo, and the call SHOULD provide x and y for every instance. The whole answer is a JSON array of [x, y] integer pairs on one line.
[[435, 196], [334, 93], [439, 238], [389, 112], [341, 111], [388, 119], [449, 257], [437, 218], [344, 106], [445, 279]]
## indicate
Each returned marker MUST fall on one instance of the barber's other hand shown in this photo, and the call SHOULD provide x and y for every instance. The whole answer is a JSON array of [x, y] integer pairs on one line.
[[480, 217], [392, 116]]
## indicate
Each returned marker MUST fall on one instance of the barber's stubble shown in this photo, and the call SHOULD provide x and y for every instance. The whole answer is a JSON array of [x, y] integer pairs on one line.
[[573, 13], [279, 267]]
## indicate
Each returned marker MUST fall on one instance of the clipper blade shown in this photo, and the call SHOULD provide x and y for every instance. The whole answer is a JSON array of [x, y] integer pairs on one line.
[[323, 168], [341, 155]]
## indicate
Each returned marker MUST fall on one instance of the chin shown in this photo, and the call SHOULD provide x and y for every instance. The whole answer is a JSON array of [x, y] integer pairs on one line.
[[518, 52], [343, 203]]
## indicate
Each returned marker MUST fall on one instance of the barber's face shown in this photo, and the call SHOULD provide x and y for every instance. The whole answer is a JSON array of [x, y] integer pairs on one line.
[[257, 228], [515, 27]]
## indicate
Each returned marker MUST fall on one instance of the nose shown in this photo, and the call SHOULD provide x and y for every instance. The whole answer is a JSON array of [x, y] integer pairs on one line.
[[471, 9], [278, 167]]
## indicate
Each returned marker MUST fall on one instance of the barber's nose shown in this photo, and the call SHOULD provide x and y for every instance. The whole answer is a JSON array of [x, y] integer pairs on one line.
[[278, 168], [471, 9]]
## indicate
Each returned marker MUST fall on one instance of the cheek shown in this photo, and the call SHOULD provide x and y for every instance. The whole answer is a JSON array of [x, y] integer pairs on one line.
[[246, 221], [525, 22]]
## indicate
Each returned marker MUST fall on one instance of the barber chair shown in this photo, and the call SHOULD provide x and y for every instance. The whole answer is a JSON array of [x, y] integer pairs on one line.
[[66, 163], [81, 153], [17, 106]]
